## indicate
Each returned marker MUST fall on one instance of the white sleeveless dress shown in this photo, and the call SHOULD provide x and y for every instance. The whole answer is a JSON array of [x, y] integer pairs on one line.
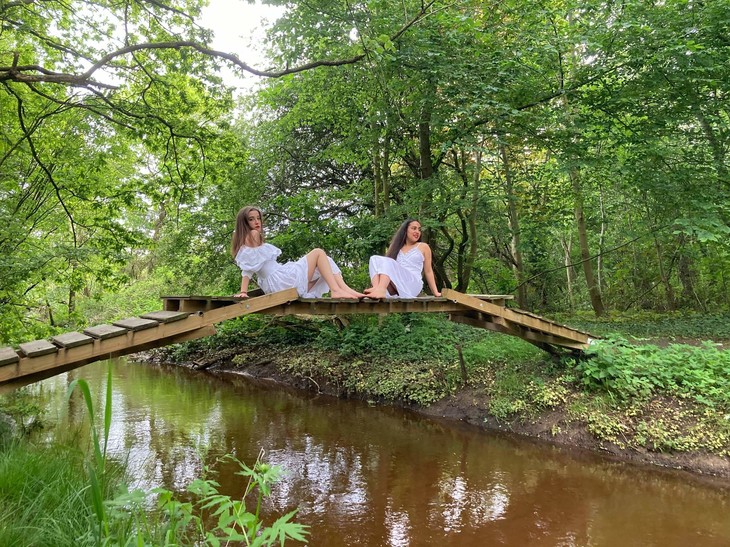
[[406, 272], [272, 276]]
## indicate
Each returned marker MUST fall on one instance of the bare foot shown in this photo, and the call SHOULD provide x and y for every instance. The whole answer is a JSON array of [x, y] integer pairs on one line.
[[356, 294], [339, 293], [374, 293]]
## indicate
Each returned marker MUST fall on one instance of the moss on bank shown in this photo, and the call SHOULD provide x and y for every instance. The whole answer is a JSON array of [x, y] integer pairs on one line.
[[666, 405]]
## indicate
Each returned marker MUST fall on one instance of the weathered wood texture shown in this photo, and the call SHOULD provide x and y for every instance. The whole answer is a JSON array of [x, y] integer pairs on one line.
[[189, 317]]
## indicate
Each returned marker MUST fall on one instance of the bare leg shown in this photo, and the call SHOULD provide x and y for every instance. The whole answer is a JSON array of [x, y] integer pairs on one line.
[[345, 287], [317, 259], [342, 285], [380, 286]]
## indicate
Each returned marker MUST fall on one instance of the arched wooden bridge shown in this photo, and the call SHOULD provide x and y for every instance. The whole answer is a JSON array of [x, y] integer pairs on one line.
[[190, 317]]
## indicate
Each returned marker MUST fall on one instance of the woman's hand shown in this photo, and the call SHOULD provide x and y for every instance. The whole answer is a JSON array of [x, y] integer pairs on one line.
[[242, 294]]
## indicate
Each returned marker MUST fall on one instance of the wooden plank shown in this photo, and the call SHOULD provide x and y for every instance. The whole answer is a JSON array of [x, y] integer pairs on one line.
[[8, 356], [37, 348], [514, 316], [102, 332], [136, 323], [325, 306], [10, 385], [133, 341], [100, 349], [535, 338], [492, 296], [176, 302], [208, 330], [71, 339], [251, 305], [165, 316]]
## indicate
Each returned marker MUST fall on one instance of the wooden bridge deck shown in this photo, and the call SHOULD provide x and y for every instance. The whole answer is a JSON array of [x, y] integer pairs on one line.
[[190, 317]]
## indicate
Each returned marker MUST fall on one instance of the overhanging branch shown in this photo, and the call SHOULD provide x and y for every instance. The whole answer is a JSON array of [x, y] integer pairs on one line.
[[33, 73]]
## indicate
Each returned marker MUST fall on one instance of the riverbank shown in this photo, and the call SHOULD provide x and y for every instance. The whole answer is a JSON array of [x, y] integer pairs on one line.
[[498, 383]]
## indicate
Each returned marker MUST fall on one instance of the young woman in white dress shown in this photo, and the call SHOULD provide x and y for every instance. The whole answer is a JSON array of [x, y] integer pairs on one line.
[[399, 274], [312, 275]]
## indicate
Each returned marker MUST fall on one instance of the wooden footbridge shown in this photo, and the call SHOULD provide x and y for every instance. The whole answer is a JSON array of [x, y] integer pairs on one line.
[[190, 317]]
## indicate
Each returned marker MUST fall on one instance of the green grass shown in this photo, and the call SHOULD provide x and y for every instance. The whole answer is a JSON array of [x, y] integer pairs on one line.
[[44, 496], [679, 326]]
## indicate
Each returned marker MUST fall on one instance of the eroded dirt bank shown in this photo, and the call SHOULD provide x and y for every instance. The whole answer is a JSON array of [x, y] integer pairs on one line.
[[468, 405]]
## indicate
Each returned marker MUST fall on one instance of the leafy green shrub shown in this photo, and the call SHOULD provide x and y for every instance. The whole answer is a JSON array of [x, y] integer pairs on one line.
[[409, 337], [23, 409], [404, 381], [210, 519], [627, 370], [499, 348]]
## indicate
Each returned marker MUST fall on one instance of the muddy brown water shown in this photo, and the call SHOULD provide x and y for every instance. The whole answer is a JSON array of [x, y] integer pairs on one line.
[[379, 476]]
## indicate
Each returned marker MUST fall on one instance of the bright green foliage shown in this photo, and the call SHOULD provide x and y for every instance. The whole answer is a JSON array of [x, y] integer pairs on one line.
[[399, 337], [491, 122], [210, 518], [25, 410], [627, 370]]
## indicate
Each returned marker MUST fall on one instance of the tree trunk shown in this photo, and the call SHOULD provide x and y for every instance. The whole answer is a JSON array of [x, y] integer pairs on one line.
[[385, 174], [426, 170], [377, 182], [514, 225], [595, 294], [467, 247], [687, 277], [472, 220], [664, 276], [601, 241], [718, 153], [569, 272]]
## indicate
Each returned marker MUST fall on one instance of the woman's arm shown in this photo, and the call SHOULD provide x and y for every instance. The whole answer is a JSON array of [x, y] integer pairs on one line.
[[244, 287], [428, 269]]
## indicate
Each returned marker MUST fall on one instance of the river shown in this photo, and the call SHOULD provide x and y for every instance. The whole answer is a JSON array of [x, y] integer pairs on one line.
[[380, 476]]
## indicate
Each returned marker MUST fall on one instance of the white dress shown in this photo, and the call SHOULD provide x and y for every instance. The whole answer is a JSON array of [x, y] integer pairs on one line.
[[272, 276], [406, 272]]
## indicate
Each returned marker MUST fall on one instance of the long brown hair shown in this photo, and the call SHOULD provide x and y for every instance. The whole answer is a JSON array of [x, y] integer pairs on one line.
[[399, 239], [240, 234]]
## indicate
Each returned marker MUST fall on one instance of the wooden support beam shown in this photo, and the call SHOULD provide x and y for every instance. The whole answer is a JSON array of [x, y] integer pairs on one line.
[[544, 342], [331, 306], [8, 386], [530, 321], [172, 327]]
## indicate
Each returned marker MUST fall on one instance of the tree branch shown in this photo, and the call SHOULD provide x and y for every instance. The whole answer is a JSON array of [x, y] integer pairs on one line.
[[36, 73]]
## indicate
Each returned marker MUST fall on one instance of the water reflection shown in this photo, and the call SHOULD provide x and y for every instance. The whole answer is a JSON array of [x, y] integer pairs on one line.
[[382, 476]]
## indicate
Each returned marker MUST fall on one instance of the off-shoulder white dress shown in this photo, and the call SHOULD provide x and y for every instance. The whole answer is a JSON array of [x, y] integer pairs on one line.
[[406, 272], [272, 276]]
